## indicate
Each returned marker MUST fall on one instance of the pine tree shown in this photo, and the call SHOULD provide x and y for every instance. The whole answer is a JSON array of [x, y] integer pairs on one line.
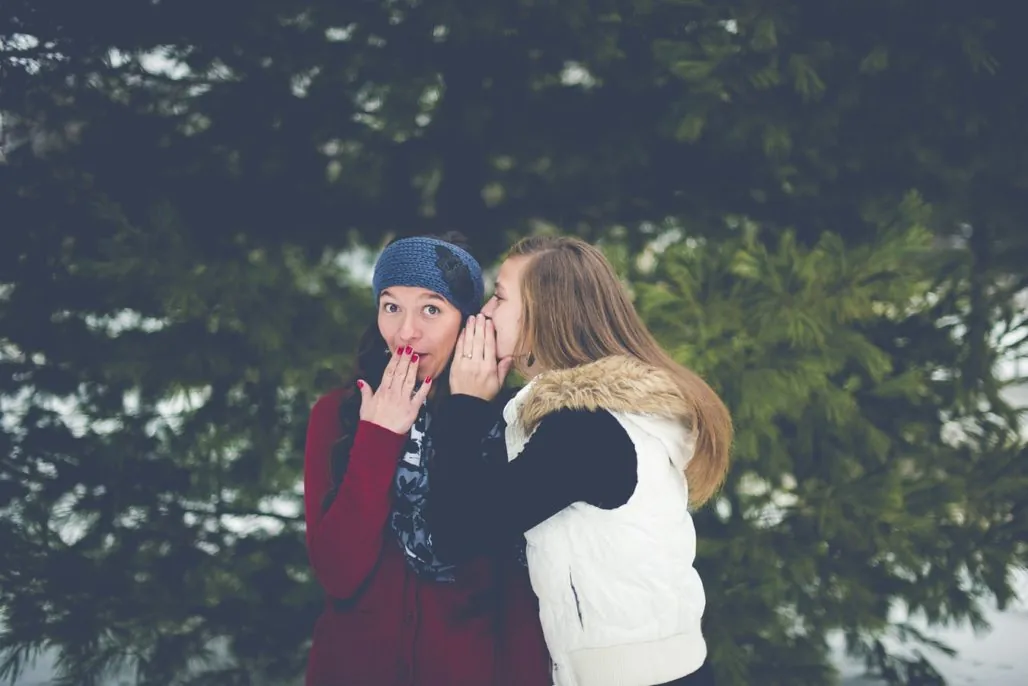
[[862, 482], [155, 400], [174, 191]]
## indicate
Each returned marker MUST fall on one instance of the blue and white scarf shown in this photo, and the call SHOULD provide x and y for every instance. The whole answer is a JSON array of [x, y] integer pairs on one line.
[[411, 489]]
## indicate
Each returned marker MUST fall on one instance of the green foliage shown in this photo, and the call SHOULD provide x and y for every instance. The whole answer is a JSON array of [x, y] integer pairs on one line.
[[847, 181], [849, 496], [156, 399]]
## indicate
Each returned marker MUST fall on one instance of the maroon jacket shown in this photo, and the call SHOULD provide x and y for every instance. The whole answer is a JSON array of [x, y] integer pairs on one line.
[[383, 625]]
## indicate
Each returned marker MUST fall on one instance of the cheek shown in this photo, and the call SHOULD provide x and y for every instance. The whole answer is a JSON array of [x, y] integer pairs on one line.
[[509, 322], [506, 331], [444, 335], [386, 327], [444, 344]]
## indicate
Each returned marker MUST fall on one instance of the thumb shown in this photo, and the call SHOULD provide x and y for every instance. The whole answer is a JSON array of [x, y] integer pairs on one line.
[[503, 368], [365, 391]]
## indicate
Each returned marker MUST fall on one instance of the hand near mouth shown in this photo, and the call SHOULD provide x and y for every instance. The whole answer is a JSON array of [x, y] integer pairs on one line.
[[395, 404], [475, 370]]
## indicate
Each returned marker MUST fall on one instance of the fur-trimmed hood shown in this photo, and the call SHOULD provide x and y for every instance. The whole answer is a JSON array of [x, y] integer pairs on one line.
[[619, 384]]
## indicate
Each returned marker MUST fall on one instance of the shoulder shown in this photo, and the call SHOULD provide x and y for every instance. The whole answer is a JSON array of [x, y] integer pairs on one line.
[[331, 400], [593, 449], [590, 434], [325, 411]]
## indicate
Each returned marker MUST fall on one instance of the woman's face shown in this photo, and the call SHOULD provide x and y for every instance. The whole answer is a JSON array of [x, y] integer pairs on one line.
[[422, 320], [504, 308]]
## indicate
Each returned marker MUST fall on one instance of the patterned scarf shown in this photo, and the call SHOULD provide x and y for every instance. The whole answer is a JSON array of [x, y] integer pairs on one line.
[[411, 489]]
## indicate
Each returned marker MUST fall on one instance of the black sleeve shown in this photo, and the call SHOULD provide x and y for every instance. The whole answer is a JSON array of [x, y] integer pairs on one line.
[[476, 505]]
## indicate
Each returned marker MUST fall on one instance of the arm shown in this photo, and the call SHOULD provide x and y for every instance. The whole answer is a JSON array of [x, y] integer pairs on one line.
[[344, 542], [574, 456]]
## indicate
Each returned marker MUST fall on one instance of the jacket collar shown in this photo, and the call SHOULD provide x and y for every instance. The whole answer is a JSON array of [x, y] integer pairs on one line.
[[617, 384]]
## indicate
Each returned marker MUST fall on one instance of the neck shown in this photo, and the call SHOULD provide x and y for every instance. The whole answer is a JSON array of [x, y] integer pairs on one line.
[[530, 373]]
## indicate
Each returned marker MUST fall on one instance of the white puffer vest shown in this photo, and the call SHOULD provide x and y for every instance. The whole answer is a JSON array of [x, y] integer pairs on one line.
[[620, 601]]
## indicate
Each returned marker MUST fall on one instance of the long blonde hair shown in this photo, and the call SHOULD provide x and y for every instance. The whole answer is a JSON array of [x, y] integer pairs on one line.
[[575, 310]]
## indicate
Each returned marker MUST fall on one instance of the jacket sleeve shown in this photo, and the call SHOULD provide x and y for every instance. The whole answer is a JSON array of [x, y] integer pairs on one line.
[[573, 456], [344, 542]]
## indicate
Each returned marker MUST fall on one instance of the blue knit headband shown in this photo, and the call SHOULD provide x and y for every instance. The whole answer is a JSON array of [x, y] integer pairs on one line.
[[433, 264]]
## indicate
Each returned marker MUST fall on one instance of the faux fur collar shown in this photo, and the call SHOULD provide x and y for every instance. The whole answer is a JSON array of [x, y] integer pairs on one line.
[[618, 384]]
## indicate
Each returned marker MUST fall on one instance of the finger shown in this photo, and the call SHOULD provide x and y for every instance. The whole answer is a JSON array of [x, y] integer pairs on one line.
[[478, 340], [422, 395], [503, 368], [390, 370], [458, 348], [411, 378], [469, 338], [402, 370], [489, 350]]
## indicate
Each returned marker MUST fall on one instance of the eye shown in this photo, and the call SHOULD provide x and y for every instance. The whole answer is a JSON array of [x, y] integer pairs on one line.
[[390, 307], [432, 310]]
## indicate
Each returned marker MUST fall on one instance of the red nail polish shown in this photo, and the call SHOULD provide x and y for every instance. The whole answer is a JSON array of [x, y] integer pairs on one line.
[[408, 350], [399, 351], [428, 379], [360, 384], [414, 357]]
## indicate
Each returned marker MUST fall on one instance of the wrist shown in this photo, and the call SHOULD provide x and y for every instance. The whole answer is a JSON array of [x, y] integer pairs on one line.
[[377, 426], [480, 393], [386, 425]]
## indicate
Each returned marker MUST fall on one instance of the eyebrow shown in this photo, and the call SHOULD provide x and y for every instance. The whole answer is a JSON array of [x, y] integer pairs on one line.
[[497, 286], [429, 296]]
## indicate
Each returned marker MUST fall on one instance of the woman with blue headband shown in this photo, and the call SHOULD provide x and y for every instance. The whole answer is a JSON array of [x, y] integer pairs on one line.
[[398, 613]]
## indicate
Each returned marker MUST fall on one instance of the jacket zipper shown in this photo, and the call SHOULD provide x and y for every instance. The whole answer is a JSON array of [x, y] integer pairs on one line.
[[578, 605]]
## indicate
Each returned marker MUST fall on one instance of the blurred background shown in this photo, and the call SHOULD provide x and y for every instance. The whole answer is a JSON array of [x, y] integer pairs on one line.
[[816, 205]]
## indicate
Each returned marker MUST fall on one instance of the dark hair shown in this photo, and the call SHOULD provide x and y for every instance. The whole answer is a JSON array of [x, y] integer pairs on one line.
[[372, 357]]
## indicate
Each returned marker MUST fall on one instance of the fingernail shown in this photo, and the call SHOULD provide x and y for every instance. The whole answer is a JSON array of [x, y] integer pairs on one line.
[[399, 351], [414, 357], [428, 379], [408, 350], [360, 384]]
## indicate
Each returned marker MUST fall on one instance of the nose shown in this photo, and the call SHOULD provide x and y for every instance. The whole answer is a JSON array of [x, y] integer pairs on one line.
[[488, 308], [408, 330]]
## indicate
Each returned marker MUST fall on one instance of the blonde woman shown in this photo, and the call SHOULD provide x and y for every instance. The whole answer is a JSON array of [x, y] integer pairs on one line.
[[609, 445]]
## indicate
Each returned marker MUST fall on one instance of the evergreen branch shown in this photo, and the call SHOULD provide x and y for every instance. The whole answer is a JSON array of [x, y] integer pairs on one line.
[[223, 511], [16, 657], [23, 472]]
